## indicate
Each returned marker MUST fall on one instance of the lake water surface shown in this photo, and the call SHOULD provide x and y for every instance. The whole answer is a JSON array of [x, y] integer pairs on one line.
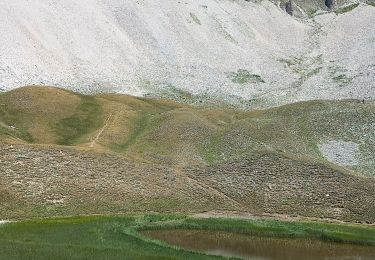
[[250, 247]]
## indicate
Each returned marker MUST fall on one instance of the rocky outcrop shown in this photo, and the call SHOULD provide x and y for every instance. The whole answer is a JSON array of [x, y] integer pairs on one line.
[[289, 7], [330, 3]]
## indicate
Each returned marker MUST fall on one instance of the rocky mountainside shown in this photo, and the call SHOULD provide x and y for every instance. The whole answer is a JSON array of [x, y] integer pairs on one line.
[[247, 53]]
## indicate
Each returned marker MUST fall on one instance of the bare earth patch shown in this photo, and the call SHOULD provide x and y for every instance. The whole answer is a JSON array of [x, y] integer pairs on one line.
[[340, 152]]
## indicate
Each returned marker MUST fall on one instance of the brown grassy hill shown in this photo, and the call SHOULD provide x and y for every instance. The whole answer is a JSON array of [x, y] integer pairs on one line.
[[167, 132], [63, 153], [53, 181]]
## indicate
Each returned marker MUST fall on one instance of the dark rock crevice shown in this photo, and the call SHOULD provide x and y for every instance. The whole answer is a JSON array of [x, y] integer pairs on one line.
[[289, 7], [330, 3]]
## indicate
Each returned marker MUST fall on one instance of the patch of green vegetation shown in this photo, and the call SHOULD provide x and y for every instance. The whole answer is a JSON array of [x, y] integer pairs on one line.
[[243, 76], [12, 123], [84, 238], [313, 72], [221, 28], [22, 134], [339, 75], [140, 125], [347, 8], [311, 12], [342, 78], [211, 150], [117, 237], [294, 63], [371, 2], [304, 68], [175, 92], [195, 19], [87, 118], [152, 218]]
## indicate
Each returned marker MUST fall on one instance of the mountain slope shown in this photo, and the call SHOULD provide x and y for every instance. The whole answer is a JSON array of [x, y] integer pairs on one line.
[[161, 131], [240, 52], [63, 153], [38, 181]]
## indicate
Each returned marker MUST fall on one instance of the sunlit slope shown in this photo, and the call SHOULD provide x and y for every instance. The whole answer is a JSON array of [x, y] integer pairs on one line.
[[65, 154], [245, 53], [165, 132], [40, 181]]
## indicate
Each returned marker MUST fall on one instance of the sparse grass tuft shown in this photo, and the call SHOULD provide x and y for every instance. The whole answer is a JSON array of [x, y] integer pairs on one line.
[[311, 12], [347, 8], [195, 19], [243, 76], [342, 79]]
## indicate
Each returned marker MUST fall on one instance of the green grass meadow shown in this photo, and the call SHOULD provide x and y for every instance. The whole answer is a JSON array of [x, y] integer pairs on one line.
[[117, 237]]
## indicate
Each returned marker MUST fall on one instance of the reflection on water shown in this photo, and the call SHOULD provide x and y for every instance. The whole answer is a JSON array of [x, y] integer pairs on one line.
[[249, 247]]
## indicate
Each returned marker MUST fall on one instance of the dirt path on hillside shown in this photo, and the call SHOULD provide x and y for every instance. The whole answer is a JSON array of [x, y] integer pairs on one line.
[[93, 142]]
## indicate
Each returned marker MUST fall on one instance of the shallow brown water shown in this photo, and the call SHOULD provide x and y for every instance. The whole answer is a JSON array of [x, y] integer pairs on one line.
[[250, 247]]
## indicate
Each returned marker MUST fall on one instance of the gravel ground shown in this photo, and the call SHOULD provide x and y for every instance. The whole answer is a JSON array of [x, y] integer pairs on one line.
[[161, 47], [340, 152]]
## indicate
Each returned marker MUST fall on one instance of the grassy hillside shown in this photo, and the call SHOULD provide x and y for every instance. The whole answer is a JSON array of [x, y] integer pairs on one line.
[[167, 132], [47, 115], [66, 154]]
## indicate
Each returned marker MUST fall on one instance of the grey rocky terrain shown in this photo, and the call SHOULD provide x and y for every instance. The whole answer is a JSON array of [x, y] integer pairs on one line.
[[257, 53]]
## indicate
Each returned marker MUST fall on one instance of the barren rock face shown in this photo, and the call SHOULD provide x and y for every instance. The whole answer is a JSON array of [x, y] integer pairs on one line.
[[165, 48], [340, 152]]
